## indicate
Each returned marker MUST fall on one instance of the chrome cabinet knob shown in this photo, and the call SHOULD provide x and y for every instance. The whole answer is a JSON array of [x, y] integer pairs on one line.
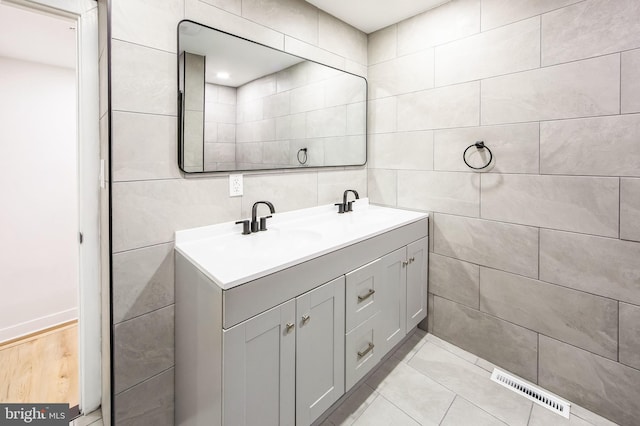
[[290, 326], [305, 319]]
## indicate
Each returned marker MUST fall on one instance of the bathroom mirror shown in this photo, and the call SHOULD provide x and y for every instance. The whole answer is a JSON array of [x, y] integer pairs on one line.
[[245, 106]]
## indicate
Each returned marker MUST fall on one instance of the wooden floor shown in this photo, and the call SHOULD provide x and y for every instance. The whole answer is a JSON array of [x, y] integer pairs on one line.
[[41, 368]]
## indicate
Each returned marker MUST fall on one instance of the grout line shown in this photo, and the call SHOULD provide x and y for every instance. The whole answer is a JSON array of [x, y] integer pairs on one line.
[[618, 334], [539, 232], [620, 83], [538, 359], [530, 412], [619, 207], [141, 382], [143, 314], [448, 408]]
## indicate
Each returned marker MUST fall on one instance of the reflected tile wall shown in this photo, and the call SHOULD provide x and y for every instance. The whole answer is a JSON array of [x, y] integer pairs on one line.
[[545, 241]]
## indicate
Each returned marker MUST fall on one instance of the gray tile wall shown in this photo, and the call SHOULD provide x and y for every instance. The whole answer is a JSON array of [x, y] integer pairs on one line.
[[152, 198], [535, 262]]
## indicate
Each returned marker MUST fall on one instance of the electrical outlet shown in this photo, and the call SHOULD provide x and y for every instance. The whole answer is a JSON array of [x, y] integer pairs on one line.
[[235, 185]]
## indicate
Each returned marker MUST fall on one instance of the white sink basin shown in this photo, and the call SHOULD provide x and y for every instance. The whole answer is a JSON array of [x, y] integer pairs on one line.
[[230, 259]]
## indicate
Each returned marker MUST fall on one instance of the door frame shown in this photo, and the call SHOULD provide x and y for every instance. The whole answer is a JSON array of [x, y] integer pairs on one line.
[[85, 13]]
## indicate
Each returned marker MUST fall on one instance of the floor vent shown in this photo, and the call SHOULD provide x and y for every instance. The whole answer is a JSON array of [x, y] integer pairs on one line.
[[531, 392]]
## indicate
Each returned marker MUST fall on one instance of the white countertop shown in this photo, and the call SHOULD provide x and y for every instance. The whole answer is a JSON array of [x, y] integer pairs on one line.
[[229, 258]]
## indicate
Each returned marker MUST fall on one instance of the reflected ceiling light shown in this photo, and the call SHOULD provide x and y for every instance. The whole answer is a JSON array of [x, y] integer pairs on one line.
[[223, 75]]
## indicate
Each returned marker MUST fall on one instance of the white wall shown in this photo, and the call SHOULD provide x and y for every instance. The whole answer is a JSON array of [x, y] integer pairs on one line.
[[38, 189]]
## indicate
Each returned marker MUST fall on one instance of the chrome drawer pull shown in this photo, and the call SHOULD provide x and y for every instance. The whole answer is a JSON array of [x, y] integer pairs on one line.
[[404, 264], [366, 296], [366, 351], [305, 319], [412, 259], [290, 327]]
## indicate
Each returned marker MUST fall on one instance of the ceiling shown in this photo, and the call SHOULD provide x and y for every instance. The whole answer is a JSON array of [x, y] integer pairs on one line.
[[371, 15], [37, 37]]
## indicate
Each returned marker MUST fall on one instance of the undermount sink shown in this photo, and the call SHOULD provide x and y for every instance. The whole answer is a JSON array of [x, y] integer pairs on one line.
[[230, 259]]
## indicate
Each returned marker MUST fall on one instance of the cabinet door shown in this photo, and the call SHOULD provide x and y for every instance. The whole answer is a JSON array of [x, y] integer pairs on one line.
[[259, 369], [418, 256], [392, 298], [362, 293], [319, 350]]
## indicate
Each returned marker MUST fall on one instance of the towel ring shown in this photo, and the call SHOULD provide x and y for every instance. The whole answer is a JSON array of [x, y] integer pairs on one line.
[[479, 145]]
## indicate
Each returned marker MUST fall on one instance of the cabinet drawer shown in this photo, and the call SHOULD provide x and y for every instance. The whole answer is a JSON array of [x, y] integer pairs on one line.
[[362, 351], [362, 294]]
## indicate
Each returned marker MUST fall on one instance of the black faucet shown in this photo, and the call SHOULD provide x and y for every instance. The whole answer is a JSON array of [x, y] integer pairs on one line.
[[347, 206], [262, 225], [254, 225]]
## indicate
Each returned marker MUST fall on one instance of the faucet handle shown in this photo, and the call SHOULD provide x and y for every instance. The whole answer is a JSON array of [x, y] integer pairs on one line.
[[349, 206], [340, 207], [263, 222], [245, 226]]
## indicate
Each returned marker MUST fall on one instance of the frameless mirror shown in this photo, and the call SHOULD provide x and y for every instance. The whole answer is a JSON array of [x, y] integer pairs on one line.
[[246, 106]]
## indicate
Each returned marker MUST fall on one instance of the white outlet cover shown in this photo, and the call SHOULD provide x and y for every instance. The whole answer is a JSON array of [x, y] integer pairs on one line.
[[235, 185]]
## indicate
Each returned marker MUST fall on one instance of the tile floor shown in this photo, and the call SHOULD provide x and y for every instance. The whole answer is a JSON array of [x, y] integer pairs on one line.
[[428, 381]]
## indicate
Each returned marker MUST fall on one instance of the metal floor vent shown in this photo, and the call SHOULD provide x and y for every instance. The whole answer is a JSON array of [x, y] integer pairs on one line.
[[532, 392]]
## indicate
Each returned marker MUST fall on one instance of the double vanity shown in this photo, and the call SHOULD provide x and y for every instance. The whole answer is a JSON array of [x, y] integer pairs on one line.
[[273, 327]]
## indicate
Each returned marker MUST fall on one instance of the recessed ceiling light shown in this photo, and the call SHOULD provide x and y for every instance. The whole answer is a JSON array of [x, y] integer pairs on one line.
[[222, 75]]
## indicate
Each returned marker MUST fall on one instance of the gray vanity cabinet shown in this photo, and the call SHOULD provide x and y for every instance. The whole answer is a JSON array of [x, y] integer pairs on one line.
[[258, 378], [417, 261], [393, 294], [282, 348], [319, 350], [286, 366]]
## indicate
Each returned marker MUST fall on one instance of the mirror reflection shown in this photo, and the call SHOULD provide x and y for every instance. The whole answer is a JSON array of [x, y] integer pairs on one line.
[[245, 106]]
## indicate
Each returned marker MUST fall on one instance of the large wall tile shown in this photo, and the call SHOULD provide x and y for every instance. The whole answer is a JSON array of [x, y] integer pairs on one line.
[[515, 148], [580, 204], [296, 18], [630, 335], [504, 50], [147, 22], [505, 344], [142, 281], [381, 115], [604, 266], [149, 403], [332, 184], [405, 74], [582, 319], [444, 192], [406, 150], [496, 13], [451, 21], [512, 248], [590, 28], [149, 212], [382, 186], [630, 209], [606, 146], [596, 383], [143, 79], [455, 280], [577, 89], [630, 83], [142, 347], [287, 191], [339, 37], [451, 106], [220, 19], [233, 6], [144, 146], [382, 45], [309, 51]]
